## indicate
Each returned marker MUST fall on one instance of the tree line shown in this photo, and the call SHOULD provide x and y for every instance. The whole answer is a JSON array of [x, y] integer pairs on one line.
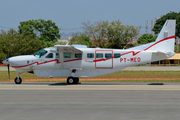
[[33, 35], [105, 34]]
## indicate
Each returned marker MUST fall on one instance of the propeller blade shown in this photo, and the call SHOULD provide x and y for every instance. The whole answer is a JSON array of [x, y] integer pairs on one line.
[[8, 71]]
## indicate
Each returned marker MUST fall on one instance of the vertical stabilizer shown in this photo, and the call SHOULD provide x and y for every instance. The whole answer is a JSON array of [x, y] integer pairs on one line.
[[166, 38]]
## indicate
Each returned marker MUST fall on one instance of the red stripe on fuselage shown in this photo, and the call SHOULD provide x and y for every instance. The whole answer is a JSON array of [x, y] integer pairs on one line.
[[57, 61], [133, 53]]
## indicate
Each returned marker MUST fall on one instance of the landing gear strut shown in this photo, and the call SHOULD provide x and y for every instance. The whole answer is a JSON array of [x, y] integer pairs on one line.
[[18, 80], [72, 80]]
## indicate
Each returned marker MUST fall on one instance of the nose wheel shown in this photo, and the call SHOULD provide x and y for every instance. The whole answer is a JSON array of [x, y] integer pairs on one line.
[[18, 80], [72, 80]]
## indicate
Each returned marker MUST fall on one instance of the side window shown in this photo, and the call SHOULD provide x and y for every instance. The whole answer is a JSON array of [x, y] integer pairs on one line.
[[99, 55], [50, 55], [57, 55], [108, 55], [67, 55], [78, 55], [90, 55], [117, 55]]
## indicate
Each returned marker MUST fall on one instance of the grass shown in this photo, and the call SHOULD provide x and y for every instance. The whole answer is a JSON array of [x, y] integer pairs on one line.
[[120, 76]]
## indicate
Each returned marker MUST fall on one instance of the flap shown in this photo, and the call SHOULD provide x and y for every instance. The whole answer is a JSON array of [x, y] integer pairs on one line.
[[67, 48]]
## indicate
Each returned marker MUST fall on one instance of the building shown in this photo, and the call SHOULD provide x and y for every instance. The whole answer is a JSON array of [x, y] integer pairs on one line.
[[173, 61]]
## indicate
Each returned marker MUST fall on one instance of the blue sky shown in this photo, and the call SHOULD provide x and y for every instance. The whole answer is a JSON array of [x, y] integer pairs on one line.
[[71, 13]]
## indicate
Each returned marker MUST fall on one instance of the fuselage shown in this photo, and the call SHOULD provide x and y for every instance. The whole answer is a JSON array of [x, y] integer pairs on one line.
[[91, 62]]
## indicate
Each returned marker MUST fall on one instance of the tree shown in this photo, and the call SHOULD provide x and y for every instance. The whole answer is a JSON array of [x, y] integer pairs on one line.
[[44, 30], [110, 34], [81, 39], [119, 35], [160, 22], [97, 32], [146, 38], [13, 44], [2, 57]]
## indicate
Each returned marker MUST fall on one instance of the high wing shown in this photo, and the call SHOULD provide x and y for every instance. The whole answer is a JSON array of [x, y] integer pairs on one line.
[[68, 48]]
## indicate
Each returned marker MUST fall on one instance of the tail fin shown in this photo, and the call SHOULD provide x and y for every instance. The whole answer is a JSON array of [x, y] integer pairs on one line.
[[164, 42], [166, 38]]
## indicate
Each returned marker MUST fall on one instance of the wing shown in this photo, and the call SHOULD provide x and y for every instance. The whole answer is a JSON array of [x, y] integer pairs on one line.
[[67, 48]]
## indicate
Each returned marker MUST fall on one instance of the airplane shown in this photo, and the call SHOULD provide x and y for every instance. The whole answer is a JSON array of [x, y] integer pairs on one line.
[[74, 61]]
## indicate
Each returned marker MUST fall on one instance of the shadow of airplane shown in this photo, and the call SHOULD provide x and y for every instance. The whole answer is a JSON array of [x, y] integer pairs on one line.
[[156, 84], [88, 83], [63, 84]]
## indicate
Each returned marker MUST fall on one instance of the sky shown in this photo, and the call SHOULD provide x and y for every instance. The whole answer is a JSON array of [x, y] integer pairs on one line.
[[69, 14]]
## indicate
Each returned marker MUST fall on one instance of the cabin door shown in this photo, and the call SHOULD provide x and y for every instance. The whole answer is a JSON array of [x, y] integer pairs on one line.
[[104, 59]]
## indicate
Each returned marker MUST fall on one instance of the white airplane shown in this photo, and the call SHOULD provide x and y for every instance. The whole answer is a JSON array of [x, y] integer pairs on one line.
[[74, 61]]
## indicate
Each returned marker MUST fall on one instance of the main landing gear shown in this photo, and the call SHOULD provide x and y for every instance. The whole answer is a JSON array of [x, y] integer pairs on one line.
[[72, 79]]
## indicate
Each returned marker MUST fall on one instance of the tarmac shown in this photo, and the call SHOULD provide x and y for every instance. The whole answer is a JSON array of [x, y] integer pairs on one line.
[[91, 101]]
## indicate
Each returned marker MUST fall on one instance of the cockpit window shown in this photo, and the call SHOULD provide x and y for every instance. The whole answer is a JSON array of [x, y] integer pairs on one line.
[[40, 53]]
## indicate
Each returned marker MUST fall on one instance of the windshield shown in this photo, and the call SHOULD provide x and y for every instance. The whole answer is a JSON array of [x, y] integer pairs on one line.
[[40, 53]]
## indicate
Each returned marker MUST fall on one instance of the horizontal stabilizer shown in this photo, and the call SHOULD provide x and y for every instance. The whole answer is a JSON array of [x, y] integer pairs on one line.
[[168, 54]]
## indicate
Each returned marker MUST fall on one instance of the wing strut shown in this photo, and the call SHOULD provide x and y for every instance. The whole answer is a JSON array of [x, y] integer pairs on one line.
[[61, 59]]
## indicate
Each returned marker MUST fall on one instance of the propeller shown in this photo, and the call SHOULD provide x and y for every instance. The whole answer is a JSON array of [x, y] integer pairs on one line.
[[8, 71], [6, 62]]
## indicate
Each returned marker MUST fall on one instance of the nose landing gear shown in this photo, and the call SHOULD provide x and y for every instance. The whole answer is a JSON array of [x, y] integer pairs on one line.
[[18, 80]]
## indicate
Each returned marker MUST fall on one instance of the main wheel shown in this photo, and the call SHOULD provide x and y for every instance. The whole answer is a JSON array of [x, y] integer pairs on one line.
[[18, 80], [70, 80], [76, 80]]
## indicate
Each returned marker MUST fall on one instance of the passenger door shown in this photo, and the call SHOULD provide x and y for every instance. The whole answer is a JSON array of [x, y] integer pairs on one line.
[[103, 59]]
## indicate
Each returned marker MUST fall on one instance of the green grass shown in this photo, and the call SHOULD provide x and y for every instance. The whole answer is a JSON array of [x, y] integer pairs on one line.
[[4, 76], [164, 76]]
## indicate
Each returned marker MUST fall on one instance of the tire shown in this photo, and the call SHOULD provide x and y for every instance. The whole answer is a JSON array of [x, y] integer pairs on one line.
[[18, 81], [76, 80], [70, 80]]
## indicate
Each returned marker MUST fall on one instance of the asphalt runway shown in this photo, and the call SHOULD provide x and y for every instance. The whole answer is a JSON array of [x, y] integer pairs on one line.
[[57, 101], [91, 101]]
